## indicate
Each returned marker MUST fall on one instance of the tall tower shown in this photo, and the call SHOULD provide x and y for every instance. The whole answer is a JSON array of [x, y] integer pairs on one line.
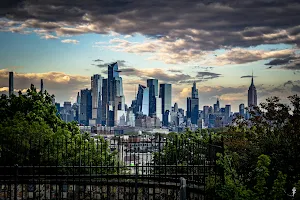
[[252, 94], [194, 91], [152, 84], [193, 105], [115, 108], [85, 106], [11, 83], [165, 93], [42, 86], [96, 86]]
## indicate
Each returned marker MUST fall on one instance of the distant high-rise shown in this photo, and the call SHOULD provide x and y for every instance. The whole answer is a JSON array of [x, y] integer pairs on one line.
[[194, 91], [205, 114], [217, 106], [104, 101], [227, 113], [242, 110], [175, 107], [42, 86], [143, 100], [115, 106], [152, 84], [85, 106], [252, 94], [193, 105], [67, 114], [11, 83], [165, 93], [57, 105], [96, 87]]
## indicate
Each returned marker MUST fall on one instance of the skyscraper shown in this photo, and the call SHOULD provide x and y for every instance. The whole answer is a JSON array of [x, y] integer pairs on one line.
[[85, 106], [217, 106], [143, 100], [96, 87], [152, 84], [11, 83], [193, 105], [104, 101], [194, 91], [165, 93], [175, 107], [242, 110], [252, 94], [114, 109], [227, 113], [42, 86]]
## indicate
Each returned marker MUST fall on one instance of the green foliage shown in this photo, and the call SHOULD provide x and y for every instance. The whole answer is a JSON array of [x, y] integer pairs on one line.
[[32, 134], [263, 151], [279, 187]]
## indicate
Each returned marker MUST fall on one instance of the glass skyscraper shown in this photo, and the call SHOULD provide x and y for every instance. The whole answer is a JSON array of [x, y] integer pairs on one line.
[[96, 86], [165, 93], [115, 102], [143, 100], [152, 84], [242, 110], [85, 106], [193, 105]]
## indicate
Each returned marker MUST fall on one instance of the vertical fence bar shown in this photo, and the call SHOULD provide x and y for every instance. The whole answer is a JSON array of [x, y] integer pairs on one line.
[[182, 188], [16, 182]]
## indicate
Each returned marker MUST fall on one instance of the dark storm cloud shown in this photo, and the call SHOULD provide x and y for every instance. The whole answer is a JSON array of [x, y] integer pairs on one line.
[[121, 63], [291, 62], [203, 25], [280, 61], [288, 83], [248, 76], [296, 88], [207, 75]]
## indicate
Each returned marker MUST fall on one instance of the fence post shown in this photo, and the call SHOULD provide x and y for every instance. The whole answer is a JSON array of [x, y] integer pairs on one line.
[[182, 188], [16, 182]]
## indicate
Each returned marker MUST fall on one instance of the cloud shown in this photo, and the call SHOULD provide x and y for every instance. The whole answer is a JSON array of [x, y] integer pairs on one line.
[[48, 36], [248, 76], [121, 63], [207, 75], [291, 62], [296, 88], [70, 41], [98, 60], [222, 23], [241, 56], [288, 83], [170, 52], [159, 74], [175, 70], [62, 85]]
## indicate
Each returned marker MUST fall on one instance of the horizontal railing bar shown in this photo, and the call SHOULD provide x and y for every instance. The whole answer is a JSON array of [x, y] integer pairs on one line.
[[87, 166]]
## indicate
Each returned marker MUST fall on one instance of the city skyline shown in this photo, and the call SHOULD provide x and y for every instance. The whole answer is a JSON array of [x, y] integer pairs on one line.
[[152, 40]]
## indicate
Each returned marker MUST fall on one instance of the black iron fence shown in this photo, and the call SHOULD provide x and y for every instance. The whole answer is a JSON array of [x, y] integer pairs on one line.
[[80, 167]]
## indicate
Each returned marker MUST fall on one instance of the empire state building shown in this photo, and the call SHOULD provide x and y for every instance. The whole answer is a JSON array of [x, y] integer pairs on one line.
[[252, 95]]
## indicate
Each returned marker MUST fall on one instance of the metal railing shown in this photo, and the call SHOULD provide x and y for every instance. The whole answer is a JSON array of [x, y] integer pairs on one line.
[[86, 168]]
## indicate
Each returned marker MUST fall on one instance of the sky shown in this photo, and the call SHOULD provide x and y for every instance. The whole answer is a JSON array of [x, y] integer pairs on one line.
[[217, 43]]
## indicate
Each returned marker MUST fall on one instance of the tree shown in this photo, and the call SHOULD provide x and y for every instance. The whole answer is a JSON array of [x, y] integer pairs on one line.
[[273, 131], [32, 134]]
